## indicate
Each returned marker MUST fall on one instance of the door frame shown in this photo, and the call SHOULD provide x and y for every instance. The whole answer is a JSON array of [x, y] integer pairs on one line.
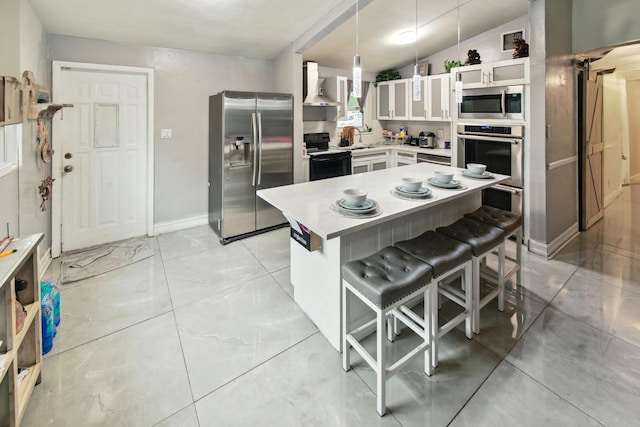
[[56, 163]]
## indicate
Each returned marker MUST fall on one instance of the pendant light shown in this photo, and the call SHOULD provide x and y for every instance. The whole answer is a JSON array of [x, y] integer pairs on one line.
[[417, 90], [357, 70], [458, 91]]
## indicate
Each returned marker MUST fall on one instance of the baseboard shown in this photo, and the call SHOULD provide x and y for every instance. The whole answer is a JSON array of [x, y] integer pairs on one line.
[[547, 250], [181, 224], [44, 262], [611, 197]]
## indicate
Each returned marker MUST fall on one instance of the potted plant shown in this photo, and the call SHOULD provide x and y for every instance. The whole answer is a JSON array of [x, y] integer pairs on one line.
[[448, 65], [387, 75]]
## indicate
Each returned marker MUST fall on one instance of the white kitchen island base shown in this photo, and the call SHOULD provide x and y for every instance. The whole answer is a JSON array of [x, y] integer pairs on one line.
[[317, 277]]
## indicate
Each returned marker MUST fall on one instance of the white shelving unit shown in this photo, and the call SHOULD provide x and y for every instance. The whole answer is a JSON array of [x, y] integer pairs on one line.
[[19, 350]]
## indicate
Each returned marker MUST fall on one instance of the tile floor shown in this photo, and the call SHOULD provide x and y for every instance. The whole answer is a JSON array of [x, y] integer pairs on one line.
[[206, 335]]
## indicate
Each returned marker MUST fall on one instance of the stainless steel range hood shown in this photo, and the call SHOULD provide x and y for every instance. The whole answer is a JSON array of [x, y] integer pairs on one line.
[[312, 88]]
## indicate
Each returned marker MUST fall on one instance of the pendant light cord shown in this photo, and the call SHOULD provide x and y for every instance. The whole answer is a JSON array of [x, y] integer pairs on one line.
[[416, 36], [357, 27], [458, 30]]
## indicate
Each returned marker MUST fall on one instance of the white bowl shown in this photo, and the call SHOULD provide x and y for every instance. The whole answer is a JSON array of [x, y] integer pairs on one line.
[[443, 177], [355, 196], [476, 168], [411, 184]]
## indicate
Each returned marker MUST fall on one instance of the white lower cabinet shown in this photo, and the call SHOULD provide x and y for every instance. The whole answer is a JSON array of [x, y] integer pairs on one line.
[[368, 162], [401, 158]]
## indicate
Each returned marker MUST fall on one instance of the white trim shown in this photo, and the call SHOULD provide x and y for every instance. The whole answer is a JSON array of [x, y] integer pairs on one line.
[[508, 33], [611, 197], [559, 163], [44, 262], [56, 163], [549, 250], [180, 224]]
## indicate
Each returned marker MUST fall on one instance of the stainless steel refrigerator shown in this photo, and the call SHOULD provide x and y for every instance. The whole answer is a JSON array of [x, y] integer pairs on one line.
[[250, 148]]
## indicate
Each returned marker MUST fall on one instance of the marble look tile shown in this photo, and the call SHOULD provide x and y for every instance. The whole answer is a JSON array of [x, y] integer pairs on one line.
[[271, 249], [577, 251], [542, 278], [589, 298], [418, 400], [195, 277], [187, 242], [510, 398], [234, 331], [305, 386], [597, 373], [135, 377], [614, 269], [283, 277], [112, 301], [185, 418]]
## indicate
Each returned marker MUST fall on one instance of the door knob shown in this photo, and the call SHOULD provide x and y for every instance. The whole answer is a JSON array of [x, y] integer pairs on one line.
[[68, 168], [68, 155]]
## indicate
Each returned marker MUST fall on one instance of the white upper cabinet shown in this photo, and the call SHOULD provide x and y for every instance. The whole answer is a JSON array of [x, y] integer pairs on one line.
[[501, 73], [336, 89], [393, 100], [418, 109], [439, 98]]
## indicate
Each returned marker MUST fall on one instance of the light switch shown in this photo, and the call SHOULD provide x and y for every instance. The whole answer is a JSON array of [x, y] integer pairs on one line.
[[166, 133]]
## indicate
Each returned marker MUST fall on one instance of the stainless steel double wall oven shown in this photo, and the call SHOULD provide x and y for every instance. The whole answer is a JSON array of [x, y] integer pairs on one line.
[[500, 147]]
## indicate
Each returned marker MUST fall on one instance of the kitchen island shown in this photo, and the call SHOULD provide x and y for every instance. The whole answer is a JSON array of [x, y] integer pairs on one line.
[[316, 275]]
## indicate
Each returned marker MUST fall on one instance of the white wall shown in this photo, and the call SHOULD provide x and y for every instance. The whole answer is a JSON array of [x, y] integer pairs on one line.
[[614, 110], [183, 82], [488, 45], [633, 105], [603, 23]]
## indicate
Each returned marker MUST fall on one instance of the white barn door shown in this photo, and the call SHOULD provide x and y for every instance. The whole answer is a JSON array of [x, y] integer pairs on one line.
[[104, 157]]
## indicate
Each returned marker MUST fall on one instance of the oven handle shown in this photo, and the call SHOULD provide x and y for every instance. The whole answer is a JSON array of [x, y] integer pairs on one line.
[[488, 138], [503, 103], [506, 189]]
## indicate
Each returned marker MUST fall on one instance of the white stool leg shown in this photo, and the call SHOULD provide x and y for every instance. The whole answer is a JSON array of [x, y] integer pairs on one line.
[[501, 263], [467, 277], [433, 328], [346, 320], [519, 256], [475, 294], [380, 370]]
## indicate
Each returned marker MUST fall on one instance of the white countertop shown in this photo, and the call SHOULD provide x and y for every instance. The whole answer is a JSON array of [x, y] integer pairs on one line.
[[383, 148], [309, 202]]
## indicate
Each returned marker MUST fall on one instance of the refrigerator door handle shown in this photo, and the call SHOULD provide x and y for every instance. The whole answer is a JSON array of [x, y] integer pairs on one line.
[[260, 147], [254, 146]]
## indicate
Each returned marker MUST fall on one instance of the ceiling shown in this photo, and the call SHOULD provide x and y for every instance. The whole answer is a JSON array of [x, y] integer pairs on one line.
[[263, 28], [624, 59]]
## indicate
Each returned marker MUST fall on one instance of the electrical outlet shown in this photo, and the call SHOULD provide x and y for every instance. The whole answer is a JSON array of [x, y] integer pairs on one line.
[[166, 133]]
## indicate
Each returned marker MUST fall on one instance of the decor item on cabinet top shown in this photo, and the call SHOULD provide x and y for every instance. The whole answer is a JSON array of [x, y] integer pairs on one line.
[[448, 65], [521, 48], [473, 57], [386, 75]]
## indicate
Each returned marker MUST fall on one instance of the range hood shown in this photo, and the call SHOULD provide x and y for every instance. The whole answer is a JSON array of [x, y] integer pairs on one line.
[[312, 88]]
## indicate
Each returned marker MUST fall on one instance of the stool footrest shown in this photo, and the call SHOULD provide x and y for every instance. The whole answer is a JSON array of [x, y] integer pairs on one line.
[[453, 294], [362, 351], [487, 298], [364, 330], [452, 323], [411, 320], [393, 369]]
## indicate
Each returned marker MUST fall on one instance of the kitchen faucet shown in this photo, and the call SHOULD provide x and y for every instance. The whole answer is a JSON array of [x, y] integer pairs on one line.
[[359, 134]]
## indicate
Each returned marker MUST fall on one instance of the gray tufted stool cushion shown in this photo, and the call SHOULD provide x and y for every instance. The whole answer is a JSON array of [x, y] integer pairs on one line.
[[480, 236], [387, 276], [442, 253], [506, 220]]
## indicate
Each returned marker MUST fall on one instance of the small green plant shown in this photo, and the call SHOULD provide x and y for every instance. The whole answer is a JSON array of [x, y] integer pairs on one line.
[[448, 65], [387, 75]]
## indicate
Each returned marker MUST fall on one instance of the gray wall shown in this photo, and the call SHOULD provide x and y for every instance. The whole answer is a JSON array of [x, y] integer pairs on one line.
[[603, 23], [23, 47], [183, 82]]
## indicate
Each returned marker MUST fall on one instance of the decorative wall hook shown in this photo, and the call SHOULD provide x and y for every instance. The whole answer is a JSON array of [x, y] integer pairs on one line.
[[45, 191]]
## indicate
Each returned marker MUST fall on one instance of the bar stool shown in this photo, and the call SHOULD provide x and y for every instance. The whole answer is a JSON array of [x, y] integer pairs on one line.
[[384, 281], [511, 223], [484, 239], [447, 258]]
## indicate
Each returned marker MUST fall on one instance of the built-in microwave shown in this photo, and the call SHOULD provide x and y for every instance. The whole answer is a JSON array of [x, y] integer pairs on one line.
[[504, 102]]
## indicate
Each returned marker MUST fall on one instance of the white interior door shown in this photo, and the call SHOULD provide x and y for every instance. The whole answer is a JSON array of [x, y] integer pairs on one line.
[[593, 198], [104, 143]]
